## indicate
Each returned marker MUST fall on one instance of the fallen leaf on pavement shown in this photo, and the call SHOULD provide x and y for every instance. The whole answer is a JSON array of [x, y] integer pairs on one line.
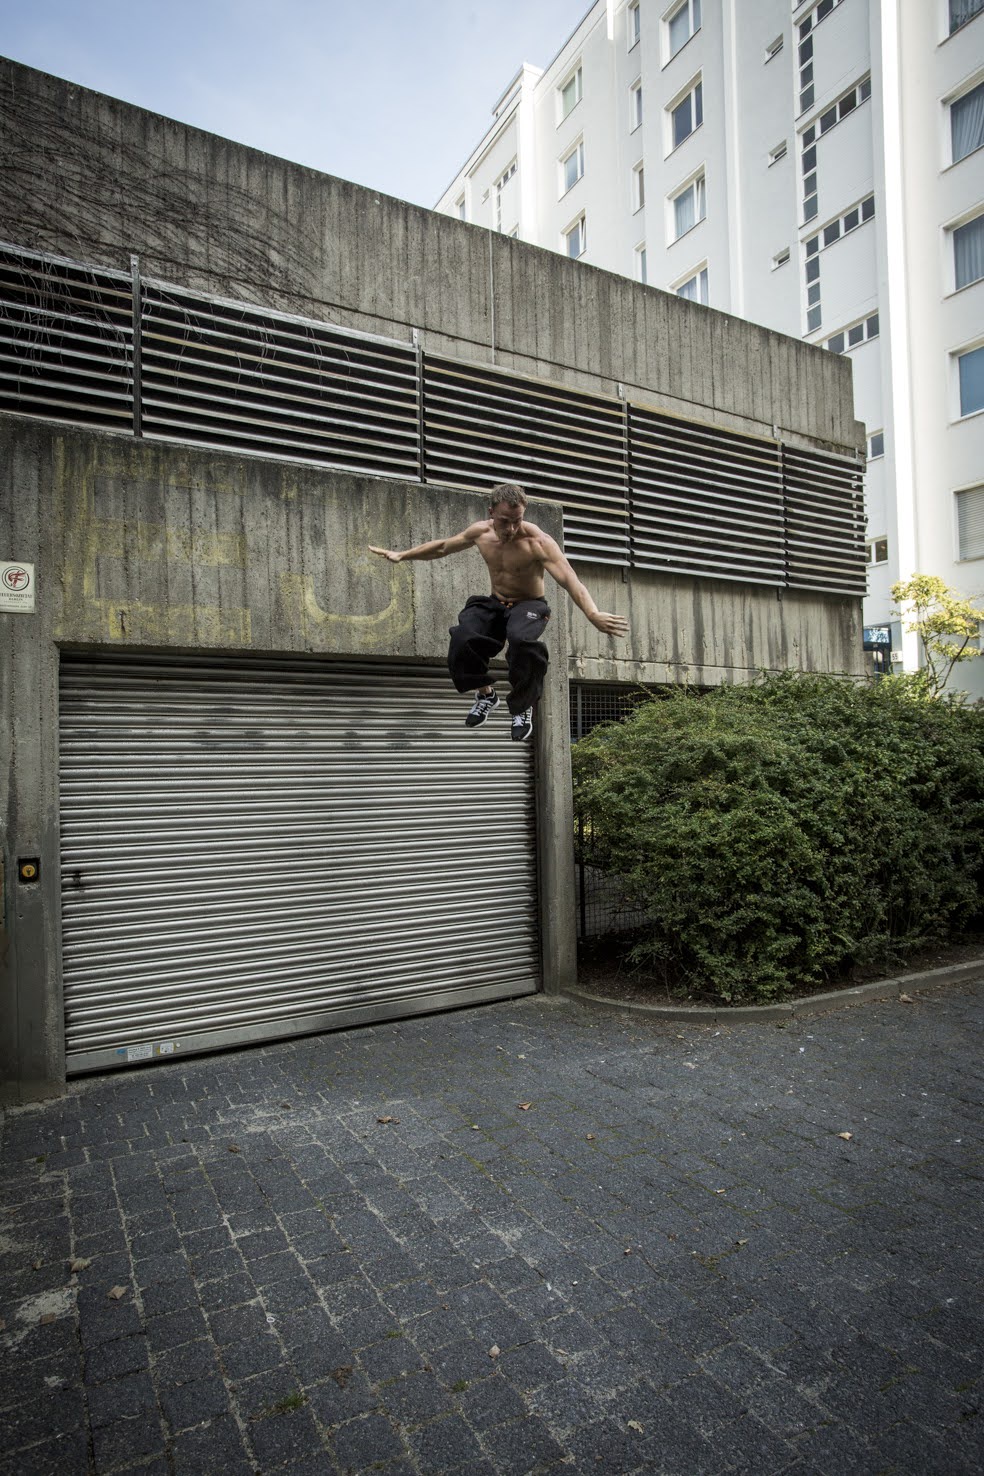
[[524, 1106], [635, 1425], [741, 1242], [81, 1263], [590, 1138], [475, 1127], [38, 1265], [234, 1149], [495, 1350], [846, 1136], [387, 1119], [116, 1292], [906, 999]]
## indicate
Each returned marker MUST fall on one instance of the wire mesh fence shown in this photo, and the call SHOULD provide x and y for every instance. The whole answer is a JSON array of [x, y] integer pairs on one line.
[[602, 904]]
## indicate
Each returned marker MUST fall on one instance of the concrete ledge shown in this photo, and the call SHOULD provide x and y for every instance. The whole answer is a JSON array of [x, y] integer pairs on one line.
[[813, 1004]]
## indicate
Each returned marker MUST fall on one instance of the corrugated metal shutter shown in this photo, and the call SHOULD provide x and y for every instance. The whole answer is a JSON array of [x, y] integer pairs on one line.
[[483, 426], [704, 501], [251, 852]]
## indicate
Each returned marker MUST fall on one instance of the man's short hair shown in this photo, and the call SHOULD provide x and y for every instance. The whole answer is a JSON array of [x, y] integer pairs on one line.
[[509, 493]]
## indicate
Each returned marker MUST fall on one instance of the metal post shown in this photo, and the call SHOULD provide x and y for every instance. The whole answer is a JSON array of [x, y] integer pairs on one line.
[[137, 316], [421, 427]]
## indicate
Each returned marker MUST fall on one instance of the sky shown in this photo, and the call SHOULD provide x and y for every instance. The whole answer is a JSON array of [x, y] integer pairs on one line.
[[393, 96]]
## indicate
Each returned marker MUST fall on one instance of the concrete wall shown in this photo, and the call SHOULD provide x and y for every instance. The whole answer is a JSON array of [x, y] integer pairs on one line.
[[87, 176], [148, 546]]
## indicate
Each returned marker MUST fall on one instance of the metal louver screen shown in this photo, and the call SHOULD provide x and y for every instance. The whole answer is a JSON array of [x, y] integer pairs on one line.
[[235, 376], [252, 851], [482, 427], [704, 501], [638, 488], [824, 523], [66, 340]]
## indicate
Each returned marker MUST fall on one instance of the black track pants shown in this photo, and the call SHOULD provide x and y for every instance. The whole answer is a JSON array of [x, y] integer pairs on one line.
[[484, 626]]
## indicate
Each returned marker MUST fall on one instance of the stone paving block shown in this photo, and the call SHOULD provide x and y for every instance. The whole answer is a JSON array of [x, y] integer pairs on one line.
[[280, 1437], [358, 1444], [123, 1442], [214, 1447], [443, 1444], [65, 1455], [522, 1446], [191, 1404], [343, 1396]]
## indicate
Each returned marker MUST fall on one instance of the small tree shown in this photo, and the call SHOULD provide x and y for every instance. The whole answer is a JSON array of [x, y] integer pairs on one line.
[[945, 623]]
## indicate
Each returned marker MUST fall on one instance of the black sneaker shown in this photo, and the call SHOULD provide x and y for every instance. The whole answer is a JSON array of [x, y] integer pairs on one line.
[[485, 702], [522, 725]]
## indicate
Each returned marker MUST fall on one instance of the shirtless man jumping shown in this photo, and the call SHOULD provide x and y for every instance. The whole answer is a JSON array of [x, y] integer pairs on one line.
[[517, 553]]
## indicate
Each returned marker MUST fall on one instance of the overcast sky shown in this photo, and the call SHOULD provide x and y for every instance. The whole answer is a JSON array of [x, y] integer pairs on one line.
[[391, 95]]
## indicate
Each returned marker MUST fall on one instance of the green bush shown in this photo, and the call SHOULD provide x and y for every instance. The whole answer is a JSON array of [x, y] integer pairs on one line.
[[780, 834]]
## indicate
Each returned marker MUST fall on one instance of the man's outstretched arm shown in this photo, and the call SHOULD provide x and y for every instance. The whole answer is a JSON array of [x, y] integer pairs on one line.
[[558, 567], [438, 548]]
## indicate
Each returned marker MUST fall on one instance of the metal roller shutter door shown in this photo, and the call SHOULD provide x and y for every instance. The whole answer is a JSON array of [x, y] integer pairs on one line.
[[251, 852]]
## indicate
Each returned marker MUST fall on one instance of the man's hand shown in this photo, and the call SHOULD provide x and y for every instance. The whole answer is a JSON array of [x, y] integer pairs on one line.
[[386, 553], [612, 625]]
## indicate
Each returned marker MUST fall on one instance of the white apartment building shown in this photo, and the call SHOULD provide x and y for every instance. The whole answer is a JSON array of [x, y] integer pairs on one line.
[[815, 167]]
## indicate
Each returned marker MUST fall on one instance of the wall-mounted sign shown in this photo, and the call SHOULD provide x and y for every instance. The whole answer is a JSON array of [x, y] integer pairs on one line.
[[876, 637], [17, 587]]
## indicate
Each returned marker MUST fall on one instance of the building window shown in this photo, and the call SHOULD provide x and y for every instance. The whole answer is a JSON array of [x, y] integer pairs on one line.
[[500, 185], [689, 207], [961, 11], [694, 289], [968, 252], [634, 24], [687, 115], [635, 105], [640, 264], [575, 238], [459, 207], [682, 24], [779, 152], [876, 552], [805, 29], [570, 94], [571, 168], [876, 445], [780, 258], [860, 332], [829, 118], [970, 523], [967, 123], [638, 187], [773, 48], [970, 370]]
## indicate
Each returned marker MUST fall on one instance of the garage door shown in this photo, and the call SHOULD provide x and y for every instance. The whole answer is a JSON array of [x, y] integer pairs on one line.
[[250, 852]]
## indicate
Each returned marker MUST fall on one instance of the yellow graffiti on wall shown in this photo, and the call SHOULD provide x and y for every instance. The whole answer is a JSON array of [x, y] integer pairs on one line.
[[138, 617]]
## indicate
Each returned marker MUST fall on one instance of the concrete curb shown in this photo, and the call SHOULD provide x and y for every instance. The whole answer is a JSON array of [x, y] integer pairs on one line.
[[815, 1004]]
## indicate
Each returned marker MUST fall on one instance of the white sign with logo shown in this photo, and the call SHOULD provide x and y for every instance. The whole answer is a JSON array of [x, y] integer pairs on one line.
[[17, 587]]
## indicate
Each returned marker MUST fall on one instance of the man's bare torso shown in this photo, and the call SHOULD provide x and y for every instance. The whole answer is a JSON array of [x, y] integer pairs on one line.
[[515, 566]]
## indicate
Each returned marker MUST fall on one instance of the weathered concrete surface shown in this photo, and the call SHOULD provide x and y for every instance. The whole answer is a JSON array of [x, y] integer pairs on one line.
[[684, 1266], [707, 631], [144, 546], [90, 177]]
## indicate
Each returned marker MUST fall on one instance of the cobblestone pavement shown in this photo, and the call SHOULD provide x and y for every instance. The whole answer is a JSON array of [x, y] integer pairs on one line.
[[526, 1236]]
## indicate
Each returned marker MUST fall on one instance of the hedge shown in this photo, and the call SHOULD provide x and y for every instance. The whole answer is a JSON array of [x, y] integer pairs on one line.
[[784, 833]]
